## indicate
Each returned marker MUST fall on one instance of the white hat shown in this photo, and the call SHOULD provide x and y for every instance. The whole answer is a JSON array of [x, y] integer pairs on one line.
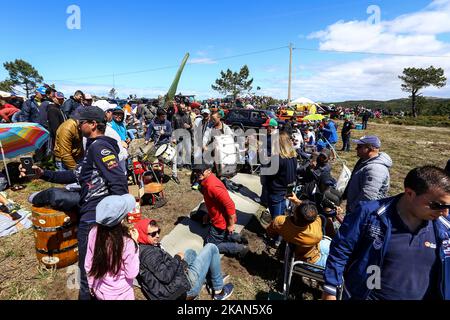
[[206, 111]]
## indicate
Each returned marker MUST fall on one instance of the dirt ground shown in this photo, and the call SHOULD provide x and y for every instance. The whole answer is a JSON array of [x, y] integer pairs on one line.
[[257, 276]]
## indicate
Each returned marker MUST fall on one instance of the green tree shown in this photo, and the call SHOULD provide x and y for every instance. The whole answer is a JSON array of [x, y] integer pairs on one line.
[[415, 79], [234, 83], [6, 85], [23, 74], [112, 93]]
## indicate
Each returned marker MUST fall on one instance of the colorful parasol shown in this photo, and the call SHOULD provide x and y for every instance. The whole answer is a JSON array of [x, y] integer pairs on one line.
[[20, 138], [314, 117]]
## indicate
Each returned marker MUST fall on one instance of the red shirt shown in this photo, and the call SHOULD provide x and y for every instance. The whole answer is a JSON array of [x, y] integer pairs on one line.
[[218, 202], [7, 111]]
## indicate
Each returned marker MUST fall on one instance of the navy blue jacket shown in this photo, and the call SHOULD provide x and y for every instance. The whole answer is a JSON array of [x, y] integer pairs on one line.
[[154, 131], [362, 242], [69, 106], [99, 175], [286, 175], [30, 111]]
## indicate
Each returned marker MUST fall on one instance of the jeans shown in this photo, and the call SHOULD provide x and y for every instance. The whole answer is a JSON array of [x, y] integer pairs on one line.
[[60, 166], [198, 266], [82, 235], [364, 125], [324, 246], [345, 142], [277, 205], [224, 241], [132, 133]]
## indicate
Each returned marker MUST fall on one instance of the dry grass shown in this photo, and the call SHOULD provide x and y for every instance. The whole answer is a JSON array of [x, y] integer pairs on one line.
[[21, 278]]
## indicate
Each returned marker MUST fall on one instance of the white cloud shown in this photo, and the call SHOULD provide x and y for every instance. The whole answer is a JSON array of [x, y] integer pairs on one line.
[[202, 61], [102, 90], [376, 77]]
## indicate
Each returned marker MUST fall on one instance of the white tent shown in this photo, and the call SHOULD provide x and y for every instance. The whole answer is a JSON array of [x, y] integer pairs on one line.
[[301, 101], [4, 94], [104, 105]]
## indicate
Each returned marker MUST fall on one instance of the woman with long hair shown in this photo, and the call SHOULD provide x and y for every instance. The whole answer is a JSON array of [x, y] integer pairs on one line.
[[283, 178], [112, 259]]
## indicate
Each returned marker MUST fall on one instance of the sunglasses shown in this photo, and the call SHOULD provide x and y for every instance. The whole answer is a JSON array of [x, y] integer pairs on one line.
[[434, 205], [154, 233]]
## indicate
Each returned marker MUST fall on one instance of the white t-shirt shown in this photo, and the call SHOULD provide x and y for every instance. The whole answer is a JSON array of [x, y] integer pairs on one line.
[[312, 138]]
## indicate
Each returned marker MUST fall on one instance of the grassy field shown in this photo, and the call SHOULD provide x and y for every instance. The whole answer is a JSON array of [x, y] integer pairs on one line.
[[21, 277]]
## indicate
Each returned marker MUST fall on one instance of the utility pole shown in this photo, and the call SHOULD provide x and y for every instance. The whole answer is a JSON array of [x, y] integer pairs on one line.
[[290, 73]]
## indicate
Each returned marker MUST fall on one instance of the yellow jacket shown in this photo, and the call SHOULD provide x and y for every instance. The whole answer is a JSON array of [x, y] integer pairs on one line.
[[306, 239], [68, 144]]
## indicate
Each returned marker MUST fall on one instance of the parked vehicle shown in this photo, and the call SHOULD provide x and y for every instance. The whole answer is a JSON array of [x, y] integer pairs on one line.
[[249, 119]]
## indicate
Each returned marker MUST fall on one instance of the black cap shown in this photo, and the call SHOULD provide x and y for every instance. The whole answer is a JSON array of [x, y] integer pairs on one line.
[[90, 114], [200, 168]]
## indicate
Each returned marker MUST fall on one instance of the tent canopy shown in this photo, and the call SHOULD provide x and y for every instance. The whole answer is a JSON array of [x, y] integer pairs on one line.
[[301, 101]]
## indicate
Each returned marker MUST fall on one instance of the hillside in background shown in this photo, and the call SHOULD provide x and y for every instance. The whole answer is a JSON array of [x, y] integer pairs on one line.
[[427, 105]]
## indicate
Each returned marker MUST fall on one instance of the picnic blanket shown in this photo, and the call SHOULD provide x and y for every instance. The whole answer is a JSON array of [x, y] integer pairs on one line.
[[8, 226]]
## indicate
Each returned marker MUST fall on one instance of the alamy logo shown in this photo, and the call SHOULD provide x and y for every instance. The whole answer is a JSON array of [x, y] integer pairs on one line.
[[374, 280], [375, 12], [73, 22]]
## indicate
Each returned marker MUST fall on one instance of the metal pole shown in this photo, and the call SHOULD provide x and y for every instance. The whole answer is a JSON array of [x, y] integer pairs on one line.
[[290, 73], [4, 161]]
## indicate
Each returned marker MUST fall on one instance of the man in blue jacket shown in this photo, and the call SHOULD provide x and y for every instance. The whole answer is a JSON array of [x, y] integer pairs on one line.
[[329, 132], [160, 131], [99, 176], [395, 248], [30, 111]]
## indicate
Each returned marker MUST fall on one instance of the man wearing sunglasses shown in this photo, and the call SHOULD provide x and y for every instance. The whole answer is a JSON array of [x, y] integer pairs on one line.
[[396, 248], [98, 174]]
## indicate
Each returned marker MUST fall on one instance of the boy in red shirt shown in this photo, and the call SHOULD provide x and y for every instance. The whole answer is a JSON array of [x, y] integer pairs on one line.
[[221, 213]]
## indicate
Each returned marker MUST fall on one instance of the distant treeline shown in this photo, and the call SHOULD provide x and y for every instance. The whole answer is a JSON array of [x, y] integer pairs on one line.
[[426, 106]]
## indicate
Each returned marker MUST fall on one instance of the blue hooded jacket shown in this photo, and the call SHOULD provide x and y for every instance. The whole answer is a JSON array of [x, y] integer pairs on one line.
[[330, 133], [362, 243]]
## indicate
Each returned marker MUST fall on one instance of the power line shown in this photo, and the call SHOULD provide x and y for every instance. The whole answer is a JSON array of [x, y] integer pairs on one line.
[[373, 53], [171, 67]]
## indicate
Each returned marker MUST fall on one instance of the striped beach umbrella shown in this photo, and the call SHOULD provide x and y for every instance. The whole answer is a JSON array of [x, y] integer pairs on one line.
[[20, 138]]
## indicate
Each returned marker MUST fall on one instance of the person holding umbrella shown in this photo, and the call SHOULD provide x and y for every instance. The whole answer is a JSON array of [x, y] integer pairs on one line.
[[99, 175]]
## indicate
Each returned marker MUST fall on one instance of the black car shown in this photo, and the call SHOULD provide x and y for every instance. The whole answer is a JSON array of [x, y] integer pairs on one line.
[[249, 118]]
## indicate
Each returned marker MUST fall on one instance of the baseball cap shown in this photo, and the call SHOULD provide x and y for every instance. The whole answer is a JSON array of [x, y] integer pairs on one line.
[[370, 140], [87, 97], [59, 95], [41, 90], [90, 114], [206, 111], [113, 209], [118, 110], [271, 123]]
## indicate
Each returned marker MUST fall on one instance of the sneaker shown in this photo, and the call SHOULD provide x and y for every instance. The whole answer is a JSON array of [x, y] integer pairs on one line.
[[208, 283], [195, 186], [174, 178], [266, 217], [226, 292]]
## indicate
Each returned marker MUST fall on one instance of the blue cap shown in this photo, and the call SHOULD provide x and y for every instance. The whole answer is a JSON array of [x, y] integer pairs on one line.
[[374, 141], [41, 90], [113, 209], [59, 95]]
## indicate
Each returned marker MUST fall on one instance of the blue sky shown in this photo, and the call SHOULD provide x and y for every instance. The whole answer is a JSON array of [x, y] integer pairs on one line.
[[127, 36]]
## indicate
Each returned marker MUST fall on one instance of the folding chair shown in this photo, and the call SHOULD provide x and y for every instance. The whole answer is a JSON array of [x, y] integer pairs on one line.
[[303, 269]]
